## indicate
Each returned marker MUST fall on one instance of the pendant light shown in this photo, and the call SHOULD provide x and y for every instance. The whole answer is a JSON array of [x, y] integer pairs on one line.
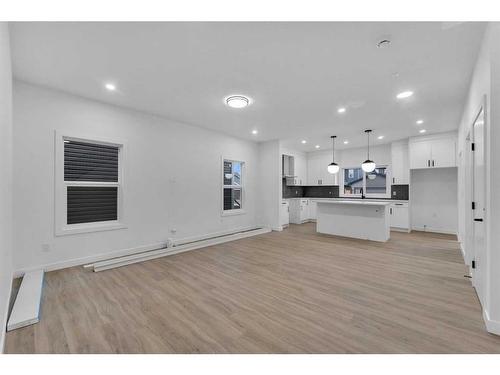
[[333, 167], [368, 165]]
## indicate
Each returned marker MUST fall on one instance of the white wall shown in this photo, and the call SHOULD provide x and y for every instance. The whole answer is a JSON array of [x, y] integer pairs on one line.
[[485, 81], [434, 200], [172, 177], [269, 184], [6, 178], [353, 157]]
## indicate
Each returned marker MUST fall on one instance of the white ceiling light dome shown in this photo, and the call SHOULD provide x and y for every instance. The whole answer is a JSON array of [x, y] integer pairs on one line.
[[404, 94], [237, 101]]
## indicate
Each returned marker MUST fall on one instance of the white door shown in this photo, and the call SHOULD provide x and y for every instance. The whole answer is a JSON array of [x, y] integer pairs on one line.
[[420, 155], [478, 215], [443, 153]]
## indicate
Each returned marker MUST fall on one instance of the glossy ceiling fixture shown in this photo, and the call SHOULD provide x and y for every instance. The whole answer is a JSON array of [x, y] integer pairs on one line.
[[110, 86], [333, 167], [303, 141], [420, 122], [346, 142], [380, 137], [368, 165], [237, 101], [254, 132], [422, 131], [317, 146], [341, 110], [404, 94]]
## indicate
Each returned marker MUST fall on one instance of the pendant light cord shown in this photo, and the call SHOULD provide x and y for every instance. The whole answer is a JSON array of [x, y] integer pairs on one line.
[[333, 149], [368, 145]]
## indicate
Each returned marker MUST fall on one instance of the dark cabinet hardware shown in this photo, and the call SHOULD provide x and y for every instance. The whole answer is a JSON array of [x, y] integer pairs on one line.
[[478, 220]]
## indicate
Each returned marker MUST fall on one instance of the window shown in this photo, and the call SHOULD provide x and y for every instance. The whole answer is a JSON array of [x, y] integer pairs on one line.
[[232, 180], [373, 184], [88, 186]]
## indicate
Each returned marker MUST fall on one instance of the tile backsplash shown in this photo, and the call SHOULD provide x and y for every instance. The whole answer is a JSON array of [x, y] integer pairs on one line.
[[400, 192]]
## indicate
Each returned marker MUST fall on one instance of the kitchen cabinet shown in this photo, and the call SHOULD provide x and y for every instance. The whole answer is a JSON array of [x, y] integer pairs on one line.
[[399, 216], [284, 213], [432, 152], [317, 172], [400, 164], [312, 210], [300, 169], [299, 211]]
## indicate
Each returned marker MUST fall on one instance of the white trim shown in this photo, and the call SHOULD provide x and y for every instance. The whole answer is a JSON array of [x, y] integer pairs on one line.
[[26, 310], [123, 252], [233, 212], [492, 326], [6, 314], [137, 258], [433, 230], [60, 226]]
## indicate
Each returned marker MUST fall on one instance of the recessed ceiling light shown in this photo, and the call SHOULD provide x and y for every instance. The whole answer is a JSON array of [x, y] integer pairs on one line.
[[420, 122], [341, 110], [317, 146], [422, 131], [110, 86], [380, 137], [346, 142], [237, 101], [404, 94], [254, 131], [304, 141]]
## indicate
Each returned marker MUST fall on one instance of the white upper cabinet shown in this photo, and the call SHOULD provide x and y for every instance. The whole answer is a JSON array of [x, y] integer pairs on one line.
[[400, 163], [433, 151], [317, 169]]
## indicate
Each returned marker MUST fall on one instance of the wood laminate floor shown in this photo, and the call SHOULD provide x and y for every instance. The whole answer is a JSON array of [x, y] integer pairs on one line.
[[291, 292]]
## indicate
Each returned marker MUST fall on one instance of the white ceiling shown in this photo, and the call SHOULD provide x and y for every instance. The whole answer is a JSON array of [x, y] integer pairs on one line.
[[298, 74]]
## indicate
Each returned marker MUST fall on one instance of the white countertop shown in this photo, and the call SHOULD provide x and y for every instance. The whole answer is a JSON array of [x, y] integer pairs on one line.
[[350, 199], [350, 202]]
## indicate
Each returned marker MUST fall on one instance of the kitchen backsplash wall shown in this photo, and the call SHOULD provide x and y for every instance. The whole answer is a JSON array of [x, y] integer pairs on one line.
[[400, 192], [326, 191]]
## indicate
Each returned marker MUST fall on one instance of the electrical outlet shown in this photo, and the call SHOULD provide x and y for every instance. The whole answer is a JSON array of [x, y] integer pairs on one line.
[[45, 247]]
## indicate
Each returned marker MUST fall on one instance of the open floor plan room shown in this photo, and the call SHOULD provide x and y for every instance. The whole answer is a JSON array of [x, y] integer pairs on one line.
[[249, 187]]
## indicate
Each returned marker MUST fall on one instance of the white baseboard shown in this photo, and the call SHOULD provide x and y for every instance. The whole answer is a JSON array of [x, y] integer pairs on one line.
[[433, 230], [120, 253], [4, 323], [492, 326]]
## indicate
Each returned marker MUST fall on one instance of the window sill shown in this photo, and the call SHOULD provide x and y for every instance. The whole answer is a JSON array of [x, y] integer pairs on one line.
[[233, 212], [89, 228]]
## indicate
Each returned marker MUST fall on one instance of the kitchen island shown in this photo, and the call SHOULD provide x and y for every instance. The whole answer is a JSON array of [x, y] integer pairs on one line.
[[367, 220]]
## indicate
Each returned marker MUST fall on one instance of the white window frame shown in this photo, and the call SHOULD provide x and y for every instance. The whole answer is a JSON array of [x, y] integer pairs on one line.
[[387, 193], [62, 228], [242, 210]]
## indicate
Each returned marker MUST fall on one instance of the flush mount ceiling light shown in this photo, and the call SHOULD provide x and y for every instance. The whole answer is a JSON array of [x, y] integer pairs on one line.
[[341, 110], [368, 165], [333, 167], [110, 86], [380, 137], [404, 94], [346, 142], [422, 131], [317, 146], [254, 132], [237, 101], [420, 122], [303, 141]]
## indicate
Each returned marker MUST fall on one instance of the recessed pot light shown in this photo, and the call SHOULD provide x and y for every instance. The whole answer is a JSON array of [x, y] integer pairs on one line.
[[380, 137], [346, 142], [110, 86], [422, 131], [341, 110], [404, 94], [303, 141], [420, 122], [317, 146], [237, 101], [254, 132]]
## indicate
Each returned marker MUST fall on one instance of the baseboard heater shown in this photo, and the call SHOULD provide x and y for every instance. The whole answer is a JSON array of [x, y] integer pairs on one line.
[[175, 249]]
